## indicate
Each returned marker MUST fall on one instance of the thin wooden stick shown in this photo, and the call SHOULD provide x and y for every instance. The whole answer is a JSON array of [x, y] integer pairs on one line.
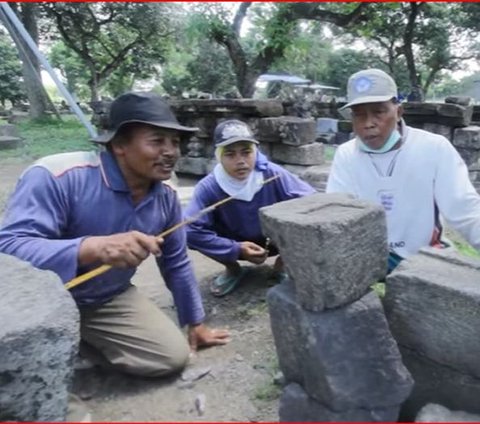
[[104, 268]]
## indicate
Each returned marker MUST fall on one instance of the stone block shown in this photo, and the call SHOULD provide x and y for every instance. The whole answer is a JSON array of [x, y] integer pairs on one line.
[[8, 130], [459, 100], [432, 303], [470, 156], [194, 166], [297, 406], [467, 137], [9, 142], [344, 358], [345, 126], [445, 130], [306, 154], [437, 383], [438, 113], [317, 176], [39, 338], [334, 247], [227, 107], [17, 116], [326, 138], [287, 130]]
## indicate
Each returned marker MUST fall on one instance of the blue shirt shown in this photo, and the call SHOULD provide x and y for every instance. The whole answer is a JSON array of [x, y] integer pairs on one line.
[[63, 198], [218, 233]]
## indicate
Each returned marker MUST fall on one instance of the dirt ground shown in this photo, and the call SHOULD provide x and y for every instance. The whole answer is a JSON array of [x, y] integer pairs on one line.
[[239, 384]]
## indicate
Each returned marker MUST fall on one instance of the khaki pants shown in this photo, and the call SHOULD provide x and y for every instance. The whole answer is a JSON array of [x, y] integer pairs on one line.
[[134, 336]]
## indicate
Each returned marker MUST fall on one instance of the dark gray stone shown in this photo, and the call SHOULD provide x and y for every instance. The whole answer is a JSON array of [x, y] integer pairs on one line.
[[345, 358], [445, 130], [8, 130], [9, 142], [327, 125], [432, 303], [194, 166], [287, 130], [296, 406], [439, 414], [459, 100], [468, 137], [317, 176], [345, 126], [438, 113], [39, 337], [333, 246], [436, 383], [306, 154], [228, 107]]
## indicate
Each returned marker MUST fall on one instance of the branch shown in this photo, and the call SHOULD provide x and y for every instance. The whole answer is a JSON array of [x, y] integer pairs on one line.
[[240, 16]]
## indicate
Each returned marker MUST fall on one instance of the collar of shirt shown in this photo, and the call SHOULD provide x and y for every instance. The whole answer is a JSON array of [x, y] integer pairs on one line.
[[113, 176]]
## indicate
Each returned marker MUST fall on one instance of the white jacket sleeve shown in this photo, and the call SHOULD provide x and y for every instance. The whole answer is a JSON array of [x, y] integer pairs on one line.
[[455, 196]]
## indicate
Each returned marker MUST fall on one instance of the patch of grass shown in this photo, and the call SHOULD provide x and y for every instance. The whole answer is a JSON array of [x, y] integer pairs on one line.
[[329, 152], [268, 390], [49, 136], [379, 288], [466, 249]]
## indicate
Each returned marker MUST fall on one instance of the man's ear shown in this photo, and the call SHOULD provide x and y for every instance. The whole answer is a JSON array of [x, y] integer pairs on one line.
[[399, 112], [118, 149]]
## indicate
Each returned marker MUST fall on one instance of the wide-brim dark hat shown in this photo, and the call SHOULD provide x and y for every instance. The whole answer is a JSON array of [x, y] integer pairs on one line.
[[142, 107]]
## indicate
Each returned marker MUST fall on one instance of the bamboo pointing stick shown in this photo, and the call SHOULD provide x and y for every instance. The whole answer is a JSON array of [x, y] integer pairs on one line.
[[104, 268]]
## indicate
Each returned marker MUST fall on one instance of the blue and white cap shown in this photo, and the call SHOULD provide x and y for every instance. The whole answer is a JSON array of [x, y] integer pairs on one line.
[[232, 131], [370, 86]]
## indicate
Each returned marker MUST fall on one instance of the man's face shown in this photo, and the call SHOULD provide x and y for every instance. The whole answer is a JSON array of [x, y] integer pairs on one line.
[[374, 122], [149, 154], [238, 159]]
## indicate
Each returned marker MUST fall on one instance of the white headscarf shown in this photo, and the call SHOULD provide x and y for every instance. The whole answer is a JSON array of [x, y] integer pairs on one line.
[[239, 189]]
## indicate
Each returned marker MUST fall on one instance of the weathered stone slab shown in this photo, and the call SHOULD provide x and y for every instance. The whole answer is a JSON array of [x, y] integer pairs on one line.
[[8, 130], [306, 154], [326, 138], [467, 137], [17, 116], [445, 130], [194, 166], [459, 100], [287, 130], [228, 107], [317, 176], [438, 113], [471, 157], [345, 358], [39, 336], [436, 383], [432, 303], [334, 247], [327, 125], [433, 413], [9, 142], [296, 406]]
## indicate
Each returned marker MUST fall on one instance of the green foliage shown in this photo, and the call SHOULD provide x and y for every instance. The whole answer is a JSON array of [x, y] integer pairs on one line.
[[11, 82], [49, 136]]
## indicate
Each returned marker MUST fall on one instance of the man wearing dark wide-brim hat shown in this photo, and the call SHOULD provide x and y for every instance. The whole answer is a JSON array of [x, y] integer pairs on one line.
[[73, 212]]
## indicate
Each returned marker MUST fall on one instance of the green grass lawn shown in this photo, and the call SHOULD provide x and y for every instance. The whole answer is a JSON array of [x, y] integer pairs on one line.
[[49, 136]]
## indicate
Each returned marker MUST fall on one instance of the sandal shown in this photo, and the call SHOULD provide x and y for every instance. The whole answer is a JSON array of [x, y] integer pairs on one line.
[[223, 285]]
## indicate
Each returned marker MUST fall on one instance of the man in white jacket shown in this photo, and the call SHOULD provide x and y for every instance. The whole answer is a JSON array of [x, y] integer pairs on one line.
[[414, 174]]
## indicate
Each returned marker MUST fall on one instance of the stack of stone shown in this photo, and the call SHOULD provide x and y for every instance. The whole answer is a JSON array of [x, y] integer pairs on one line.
[[432, 304], [333, 343], [284, 139], [453, 119], [9, 138]]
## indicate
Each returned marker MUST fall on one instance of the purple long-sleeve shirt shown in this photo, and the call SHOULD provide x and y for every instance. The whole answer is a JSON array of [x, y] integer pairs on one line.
[[63, 198], [218, 233]]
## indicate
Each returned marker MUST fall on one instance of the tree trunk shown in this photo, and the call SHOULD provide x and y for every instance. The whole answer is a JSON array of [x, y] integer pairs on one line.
[[36, 94]]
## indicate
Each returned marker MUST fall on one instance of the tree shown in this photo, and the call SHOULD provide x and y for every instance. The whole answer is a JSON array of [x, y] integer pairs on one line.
[[280, 21], [123, 41], [11, 83], [427, 37], [37, 96]]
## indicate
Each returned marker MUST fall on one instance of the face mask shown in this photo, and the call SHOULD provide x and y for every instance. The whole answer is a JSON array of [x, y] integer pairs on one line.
[[391, 141]]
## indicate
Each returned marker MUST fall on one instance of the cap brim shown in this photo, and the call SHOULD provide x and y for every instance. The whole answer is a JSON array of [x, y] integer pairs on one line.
[[107, 136], [367, 99], [235, 140]]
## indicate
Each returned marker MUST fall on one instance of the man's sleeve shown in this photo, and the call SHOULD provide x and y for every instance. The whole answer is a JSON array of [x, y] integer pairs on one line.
[[201, 234], [339, 180], [35, 222], [177, 272], [457, 199]]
